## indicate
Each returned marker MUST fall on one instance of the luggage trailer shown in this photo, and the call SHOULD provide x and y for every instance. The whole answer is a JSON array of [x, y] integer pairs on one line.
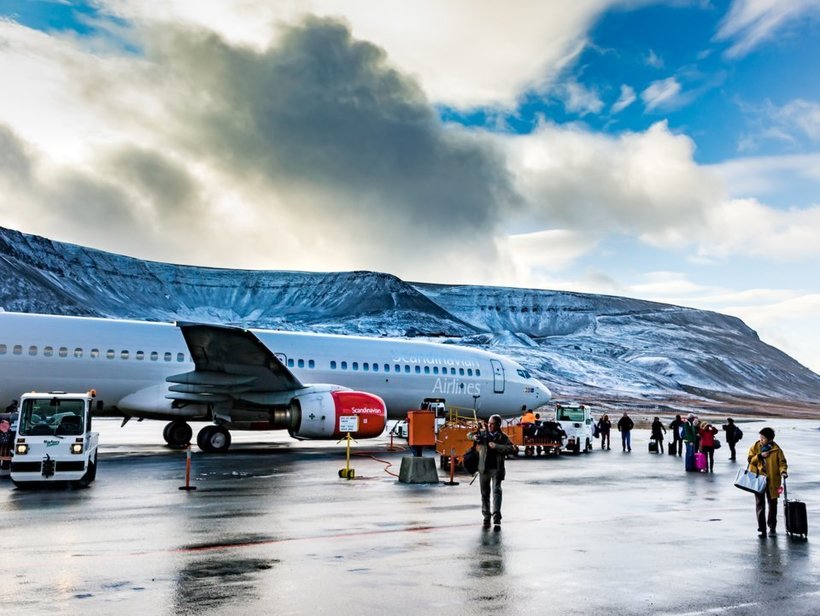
[[54, 442]]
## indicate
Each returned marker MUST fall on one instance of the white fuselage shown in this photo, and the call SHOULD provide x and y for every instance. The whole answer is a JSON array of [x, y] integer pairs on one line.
[[118, 358]]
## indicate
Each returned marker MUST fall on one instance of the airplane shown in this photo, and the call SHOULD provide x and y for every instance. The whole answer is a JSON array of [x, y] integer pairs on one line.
[[315, 386]]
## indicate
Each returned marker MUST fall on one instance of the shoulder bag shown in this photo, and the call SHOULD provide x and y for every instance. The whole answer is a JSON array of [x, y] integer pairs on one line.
[[749, 481]]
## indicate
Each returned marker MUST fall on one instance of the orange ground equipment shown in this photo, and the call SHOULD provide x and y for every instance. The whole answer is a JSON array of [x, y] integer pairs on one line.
[[421, 428], [452, 439]]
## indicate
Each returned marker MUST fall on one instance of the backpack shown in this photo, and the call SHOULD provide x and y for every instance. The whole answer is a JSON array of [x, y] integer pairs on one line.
[[738, 434], [470, 460]]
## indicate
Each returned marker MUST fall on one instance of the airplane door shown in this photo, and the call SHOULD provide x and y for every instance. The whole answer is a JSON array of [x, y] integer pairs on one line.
[[498, 376]]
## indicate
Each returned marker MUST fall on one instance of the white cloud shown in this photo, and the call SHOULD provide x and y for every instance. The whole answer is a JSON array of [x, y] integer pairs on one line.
[[749, 23], [460, 50], [661, 94], [626, 98], [638, 183], [579, 99], [802, 115], [764, 175], [653, 59]]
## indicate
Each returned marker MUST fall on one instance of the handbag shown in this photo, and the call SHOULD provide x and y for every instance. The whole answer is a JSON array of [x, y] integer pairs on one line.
[[470, 460], [749, 481], [717, 444]]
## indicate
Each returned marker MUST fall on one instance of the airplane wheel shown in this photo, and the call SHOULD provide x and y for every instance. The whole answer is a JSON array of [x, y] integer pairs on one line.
[[177, 434], [214, 439]]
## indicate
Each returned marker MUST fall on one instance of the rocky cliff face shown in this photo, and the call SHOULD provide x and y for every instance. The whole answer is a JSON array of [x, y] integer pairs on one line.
[[585, 346]]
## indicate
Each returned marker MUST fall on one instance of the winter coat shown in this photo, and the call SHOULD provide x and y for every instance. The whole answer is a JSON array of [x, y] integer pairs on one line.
[[625, 424], [604, 425], [690, 431], [773, 466], [657, 431], [675, 426], [503, 447], [707, 436], [732, 433]]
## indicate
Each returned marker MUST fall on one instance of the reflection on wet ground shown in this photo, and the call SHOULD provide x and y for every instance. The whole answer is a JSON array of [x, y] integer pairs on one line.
[[272, 529]]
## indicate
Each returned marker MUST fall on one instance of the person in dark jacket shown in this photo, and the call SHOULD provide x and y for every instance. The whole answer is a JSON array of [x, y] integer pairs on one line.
[[690, 439], [733, 435], [766, 458], [604, 426], [625, 426], [657, 434], [493, 445], [677, 438]]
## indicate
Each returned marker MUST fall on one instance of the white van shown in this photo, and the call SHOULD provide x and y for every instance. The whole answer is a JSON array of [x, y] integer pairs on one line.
[[576, 420]]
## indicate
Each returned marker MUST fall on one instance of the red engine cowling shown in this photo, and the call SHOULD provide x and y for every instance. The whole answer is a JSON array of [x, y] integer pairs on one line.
[[332, 414]]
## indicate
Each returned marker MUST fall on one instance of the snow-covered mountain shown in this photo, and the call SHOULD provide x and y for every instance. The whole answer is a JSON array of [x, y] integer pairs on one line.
[[610, 350]]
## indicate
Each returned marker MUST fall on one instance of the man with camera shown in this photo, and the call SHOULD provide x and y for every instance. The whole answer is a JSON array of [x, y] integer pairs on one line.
[[493, 446]]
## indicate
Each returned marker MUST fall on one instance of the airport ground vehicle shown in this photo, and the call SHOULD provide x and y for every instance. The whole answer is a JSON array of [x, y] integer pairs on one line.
[[576, 420], [546, 437], [54, 440]]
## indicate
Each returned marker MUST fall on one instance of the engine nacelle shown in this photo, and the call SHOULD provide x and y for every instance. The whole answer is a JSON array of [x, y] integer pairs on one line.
[[332, 414]]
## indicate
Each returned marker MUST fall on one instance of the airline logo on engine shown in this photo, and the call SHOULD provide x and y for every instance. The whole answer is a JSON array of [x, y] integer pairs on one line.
[[366, 411]]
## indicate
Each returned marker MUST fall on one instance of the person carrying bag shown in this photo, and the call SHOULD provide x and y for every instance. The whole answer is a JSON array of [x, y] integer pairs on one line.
[[767, 459]]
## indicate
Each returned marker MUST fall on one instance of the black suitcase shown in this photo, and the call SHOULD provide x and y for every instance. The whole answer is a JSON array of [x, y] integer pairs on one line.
[[797, 522], [673, 448], [653, 446]]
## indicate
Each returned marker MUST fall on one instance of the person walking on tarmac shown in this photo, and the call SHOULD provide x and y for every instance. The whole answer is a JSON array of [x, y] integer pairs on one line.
[[604, 426], [657, 434], [493, 445], [766, 458], [733, 435], [625, 425], [677, 438]]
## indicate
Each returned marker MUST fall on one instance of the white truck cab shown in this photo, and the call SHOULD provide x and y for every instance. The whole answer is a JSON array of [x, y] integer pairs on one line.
[[576, 420], [54, 440]]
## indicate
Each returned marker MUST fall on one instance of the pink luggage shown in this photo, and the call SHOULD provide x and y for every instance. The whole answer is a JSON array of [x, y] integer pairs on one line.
[[700, 461]]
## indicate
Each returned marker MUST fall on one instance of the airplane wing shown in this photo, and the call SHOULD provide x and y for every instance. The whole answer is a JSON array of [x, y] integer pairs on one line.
[[229, 362]]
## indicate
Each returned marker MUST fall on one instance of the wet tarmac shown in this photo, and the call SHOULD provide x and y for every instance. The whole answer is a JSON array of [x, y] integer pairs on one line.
[[272, 529]]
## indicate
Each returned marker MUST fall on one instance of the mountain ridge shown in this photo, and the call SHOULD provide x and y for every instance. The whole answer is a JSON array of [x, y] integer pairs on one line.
[[584, 346]]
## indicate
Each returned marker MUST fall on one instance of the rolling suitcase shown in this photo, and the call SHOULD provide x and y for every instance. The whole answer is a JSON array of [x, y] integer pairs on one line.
[[689, 462], [795, 512], [653, 446], [700, 461], [672, 449]]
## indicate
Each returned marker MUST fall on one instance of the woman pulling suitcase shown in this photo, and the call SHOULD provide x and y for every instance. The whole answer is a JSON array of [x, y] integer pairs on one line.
[[766, 458]]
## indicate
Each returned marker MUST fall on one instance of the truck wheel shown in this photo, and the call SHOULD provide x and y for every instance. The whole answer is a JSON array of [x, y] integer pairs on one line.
[[576, 449], [90, 473], [24, 485], [588, 447]]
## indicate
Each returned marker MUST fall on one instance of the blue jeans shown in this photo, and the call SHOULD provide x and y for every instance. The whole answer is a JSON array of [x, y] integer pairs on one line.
[[626, 439]]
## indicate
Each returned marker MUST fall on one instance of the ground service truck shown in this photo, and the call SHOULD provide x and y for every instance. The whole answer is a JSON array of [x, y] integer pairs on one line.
[[54, 442]]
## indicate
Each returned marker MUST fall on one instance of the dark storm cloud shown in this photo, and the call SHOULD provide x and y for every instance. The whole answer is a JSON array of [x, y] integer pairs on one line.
[[322, 112], [165, 186], [15, 160]]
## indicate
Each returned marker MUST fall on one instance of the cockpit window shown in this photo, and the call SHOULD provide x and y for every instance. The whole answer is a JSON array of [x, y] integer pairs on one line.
[[524, 373]]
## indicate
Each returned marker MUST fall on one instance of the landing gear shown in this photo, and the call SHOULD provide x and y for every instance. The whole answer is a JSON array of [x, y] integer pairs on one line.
[[214, 439], [177, 434]]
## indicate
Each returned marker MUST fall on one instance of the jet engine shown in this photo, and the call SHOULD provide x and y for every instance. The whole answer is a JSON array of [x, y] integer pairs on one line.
[[332, 414]]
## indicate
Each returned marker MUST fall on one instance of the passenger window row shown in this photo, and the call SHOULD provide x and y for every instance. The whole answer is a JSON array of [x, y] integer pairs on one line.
[[78, 353], [405, 368]]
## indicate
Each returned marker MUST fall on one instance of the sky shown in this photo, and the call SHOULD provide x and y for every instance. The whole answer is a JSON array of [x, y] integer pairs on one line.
[[667, 151]]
